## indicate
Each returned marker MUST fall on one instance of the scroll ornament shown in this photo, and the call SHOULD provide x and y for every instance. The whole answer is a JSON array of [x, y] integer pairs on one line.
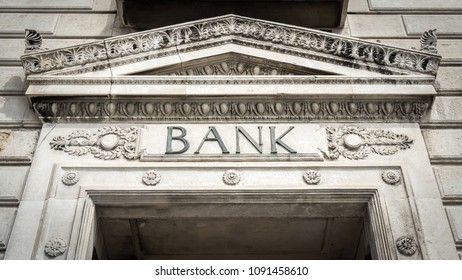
[[357, 143], [107, 143]]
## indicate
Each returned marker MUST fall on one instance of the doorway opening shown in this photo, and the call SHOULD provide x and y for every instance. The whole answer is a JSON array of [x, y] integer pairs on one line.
[[228, 225]]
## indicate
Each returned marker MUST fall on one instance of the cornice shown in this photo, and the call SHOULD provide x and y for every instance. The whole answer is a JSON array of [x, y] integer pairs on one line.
[[228, 109], [261, 34]]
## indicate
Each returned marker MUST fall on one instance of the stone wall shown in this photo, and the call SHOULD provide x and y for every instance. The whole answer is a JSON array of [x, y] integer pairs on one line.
[[61, 23], [70, 22], [400, 23]]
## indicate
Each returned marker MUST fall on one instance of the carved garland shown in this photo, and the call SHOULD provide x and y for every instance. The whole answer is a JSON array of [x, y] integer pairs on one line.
[[356, 143], [64, 111], [108, 143], [321, 42]]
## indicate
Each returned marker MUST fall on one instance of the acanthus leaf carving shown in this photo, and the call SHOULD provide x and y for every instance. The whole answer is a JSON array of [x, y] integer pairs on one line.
[[107, 143], [358, 143], [163, 38]]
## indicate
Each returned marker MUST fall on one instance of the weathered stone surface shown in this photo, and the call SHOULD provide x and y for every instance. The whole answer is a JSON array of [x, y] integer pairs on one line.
[[12, 182], [449, 78], [365, 26], [11, 79], [49, 4], [15, 23], [445, 108], [445, 24], [7, 215], [92, 25], [443, 142], [415, 5], [455, 220], [19, 145], [12, 110], [448, 178]]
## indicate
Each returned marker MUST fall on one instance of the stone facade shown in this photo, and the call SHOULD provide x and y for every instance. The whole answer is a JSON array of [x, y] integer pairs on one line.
[[72, 139]]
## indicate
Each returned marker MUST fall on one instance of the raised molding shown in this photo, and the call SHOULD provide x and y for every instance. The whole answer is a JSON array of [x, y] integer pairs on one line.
[[147, 109], [257, 33]]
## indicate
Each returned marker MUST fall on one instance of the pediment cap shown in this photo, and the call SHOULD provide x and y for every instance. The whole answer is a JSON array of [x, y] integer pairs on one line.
[[130, 48]]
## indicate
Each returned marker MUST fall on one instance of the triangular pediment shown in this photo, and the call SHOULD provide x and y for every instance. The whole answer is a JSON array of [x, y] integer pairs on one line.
[[173, 73], [232, 64]]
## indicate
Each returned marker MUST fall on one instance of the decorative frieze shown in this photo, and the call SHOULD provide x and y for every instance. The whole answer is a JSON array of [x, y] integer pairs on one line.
[[232, 68], [231, 177], [71, 177], [391, 177], [312, 177], [358, 143], [149, 109], [55, 247], [406, 245], [320, 45], [107, 143]]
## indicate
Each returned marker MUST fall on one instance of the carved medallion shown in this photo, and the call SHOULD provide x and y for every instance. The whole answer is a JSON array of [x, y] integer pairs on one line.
[[406, 245], [55, 247], [107, 143], [70, 178], [312, 177], [231, 177], [357, 143], [151, 177], [391, 177]]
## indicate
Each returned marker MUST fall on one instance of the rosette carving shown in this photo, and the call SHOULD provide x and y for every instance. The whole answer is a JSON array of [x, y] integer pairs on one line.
[[406, 245], [231, 177], [107, 143], [70, 178], [391, 177], [312, 177], [55, 247], [151, 177], [357, 143]]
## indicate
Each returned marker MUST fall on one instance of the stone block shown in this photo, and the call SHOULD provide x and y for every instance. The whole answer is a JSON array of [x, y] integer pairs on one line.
[[358, 6], [455, 220], [12, 183], [31, 119], [105, 5], [16, 23], [443, 143], [12, 109], [7, 215], [17, 144], [11, 79], [376, 26], [416, 5], [448, 178], [88, 25], [446, 24], [446, 109], [449, 79], [49, 4]]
